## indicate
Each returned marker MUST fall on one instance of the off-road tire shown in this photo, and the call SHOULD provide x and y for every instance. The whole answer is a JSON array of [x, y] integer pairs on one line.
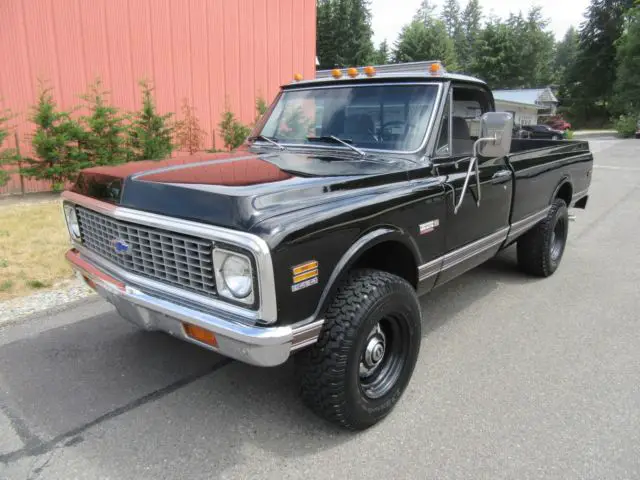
[[330, 375], [536, 254]]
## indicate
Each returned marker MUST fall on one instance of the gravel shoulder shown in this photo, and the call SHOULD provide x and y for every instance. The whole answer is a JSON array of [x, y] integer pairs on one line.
[[62, 295]]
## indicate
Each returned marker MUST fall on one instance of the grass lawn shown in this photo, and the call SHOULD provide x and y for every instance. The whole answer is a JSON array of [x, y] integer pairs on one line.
[[33, 240]]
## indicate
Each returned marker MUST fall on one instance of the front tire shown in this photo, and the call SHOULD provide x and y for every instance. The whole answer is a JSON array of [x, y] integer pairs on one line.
[[541, 248], [367, 350]]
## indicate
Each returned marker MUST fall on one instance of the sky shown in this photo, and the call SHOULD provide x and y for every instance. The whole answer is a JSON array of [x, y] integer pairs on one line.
[[390, 15]]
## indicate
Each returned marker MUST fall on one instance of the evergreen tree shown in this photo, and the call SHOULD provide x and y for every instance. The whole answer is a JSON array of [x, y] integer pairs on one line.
[[470, 29], [565, 55], [105, 140], [627, 86], [592, 77], [419, 41], [344, 33], [451, 17], [8, 156], [233, 131], [56, 143], [425, 12], [382, 55], [189, 135], [497, 56], [151, 135]]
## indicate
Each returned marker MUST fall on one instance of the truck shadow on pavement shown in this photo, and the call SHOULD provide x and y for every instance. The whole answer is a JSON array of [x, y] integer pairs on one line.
[[101, 380]]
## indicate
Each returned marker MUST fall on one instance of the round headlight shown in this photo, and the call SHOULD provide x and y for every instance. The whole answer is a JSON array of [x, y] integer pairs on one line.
[[72, 221], [236, 272]]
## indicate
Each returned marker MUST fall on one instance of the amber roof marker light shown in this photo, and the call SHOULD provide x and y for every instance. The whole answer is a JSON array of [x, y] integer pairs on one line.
[[298, 77], [336, 73], [369, 71], [352, 72]]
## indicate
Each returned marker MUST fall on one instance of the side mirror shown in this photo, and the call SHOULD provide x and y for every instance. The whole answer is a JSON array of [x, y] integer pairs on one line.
[[496, 132]]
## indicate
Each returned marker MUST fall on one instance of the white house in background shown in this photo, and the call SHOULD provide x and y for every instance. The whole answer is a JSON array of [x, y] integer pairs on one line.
[[529, 105]]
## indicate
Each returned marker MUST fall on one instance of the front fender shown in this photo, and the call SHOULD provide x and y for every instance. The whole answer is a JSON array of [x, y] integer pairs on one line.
[[364, 243]]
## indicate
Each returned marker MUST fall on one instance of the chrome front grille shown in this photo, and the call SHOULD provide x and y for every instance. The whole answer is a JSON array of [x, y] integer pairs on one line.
[[180, 260]]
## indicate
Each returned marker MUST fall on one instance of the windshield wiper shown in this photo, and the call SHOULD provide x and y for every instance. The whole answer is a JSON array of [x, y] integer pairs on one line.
[[333, 138], [267, 139]]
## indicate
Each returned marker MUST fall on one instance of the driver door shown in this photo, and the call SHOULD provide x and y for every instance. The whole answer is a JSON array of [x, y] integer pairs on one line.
[[477, 229]]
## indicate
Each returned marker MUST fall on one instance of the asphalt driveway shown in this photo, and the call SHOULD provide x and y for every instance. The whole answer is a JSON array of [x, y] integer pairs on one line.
[[518, 378]]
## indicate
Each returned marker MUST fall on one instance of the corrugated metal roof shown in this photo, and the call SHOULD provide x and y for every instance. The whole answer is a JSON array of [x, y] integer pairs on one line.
[[526, 95]]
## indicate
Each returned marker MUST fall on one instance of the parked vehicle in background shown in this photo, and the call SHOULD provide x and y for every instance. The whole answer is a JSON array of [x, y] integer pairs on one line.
[[558, 123], [356, 193], [638, 129], [541, 131]]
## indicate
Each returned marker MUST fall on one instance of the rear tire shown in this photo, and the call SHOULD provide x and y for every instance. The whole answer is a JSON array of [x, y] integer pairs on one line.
[[367, 350], [541, 248]]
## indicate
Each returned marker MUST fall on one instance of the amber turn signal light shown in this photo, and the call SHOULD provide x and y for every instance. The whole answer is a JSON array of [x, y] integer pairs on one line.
[[200, 334]]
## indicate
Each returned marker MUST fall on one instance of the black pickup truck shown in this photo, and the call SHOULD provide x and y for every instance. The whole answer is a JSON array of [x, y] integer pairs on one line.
[[355, 194]]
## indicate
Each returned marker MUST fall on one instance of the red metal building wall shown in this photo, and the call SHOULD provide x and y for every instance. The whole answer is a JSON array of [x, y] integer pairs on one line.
[[209, 51]]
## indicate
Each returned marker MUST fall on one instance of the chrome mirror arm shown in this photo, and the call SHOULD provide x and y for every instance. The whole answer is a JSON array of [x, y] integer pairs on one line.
[[473, 163]]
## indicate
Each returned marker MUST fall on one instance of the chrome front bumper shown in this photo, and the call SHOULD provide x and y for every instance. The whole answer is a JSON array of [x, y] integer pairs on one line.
[[262, 346]]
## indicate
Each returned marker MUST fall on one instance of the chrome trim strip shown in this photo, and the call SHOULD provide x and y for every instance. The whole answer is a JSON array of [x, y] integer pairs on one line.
[[267, 311], [462, 254], [526, 223], [579, 195], [475, 248], [306, 334], [430, 269]]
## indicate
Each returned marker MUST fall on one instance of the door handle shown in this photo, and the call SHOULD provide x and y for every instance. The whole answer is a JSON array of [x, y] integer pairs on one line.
[[501, 177]]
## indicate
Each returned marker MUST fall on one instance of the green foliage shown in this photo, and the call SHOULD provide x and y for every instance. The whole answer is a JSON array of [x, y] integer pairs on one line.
[[568, 134], [150, 133], [451, 18], [233, 131], [189, 135], [8, 156], [343, 33], [261, 107], [6, 285], [590, 81], [105, 140], [425, 41], [565, 55], [382, 54], [37, 284], [56, 143], [465, 41], [516, 53], [626, 125], [626, 92]]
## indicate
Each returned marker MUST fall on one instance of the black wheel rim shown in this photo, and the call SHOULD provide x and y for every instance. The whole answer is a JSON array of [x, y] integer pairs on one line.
[[558, 238], [383, 357]]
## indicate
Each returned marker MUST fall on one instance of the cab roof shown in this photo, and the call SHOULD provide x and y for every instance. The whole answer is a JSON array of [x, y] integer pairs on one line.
[[402, 72]]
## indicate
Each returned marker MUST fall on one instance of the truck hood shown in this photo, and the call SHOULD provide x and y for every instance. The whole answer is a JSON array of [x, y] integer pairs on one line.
[[238, 190]]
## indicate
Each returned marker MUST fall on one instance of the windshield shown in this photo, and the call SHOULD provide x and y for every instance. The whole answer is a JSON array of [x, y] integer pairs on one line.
[[382, 117]]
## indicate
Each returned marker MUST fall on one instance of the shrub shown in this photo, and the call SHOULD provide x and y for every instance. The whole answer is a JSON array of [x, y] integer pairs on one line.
[[105, 140], [626, 125], [7, 155], [261, 107], [151, 135], [233, 131], [189, 135], [568, 134], [56, 143]]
